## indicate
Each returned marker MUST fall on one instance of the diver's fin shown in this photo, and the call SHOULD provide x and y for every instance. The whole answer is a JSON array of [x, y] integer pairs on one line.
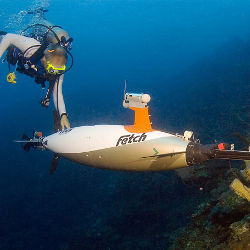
[[57, 121], [2, 33], [39, 10], [54, 163]]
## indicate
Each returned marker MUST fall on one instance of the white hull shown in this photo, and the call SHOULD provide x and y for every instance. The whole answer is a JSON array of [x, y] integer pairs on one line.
[[113, 147]]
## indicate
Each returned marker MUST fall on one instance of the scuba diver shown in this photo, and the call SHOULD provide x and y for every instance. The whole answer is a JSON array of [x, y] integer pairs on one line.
[[43, 55]]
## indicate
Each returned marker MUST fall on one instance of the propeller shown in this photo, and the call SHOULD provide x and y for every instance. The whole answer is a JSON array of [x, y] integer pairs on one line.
[[54, 163], [27, 145], [29, 142], [57, 127], [36, 142]]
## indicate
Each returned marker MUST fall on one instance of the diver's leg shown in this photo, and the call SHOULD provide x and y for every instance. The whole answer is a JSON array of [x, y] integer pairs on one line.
[[21, 42], [5, 42], [3, 45]]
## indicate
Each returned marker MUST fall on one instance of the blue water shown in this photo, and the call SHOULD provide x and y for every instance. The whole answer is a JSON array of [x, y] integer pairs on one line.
[[191, 56]]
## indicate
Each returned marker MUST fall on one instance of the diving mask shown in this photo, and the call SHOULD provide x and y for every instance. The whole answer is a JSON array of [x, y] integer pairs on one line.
[[54, 70]]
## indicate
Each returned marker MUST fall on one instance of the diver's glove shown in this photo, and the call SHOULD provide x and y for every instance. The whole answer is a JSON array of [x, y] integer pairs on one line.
[[64, 121]]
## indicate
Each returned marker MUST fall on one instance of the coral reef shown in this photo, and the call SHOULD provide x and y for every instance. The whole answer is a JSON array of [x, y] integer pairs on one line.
[[221, 223], [246, 172], [239, 188]]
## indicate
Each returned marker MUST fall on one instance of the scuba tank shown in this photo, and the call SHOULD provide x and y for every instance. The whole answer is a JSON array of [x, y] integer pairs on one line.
[[41, 27], [59, 31]]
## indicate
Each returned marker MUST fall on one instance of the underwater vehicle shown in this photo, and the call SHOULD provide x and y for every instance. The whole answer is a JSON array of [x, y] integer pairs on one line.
[[136, 147]]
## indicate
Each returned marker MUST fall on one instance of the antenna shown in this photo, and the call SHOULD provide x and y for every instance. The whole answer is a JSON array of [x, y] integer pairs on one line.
[[125, 87]]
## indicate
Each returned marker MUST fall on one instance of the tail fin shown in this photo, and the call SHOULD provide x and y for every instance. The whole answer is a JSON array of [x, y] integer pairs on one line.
[[28, 142], [27, 146]]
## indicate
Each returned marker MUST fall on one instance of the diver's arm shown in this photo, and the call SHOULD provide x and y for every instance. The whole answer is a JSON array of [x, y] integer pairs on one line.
[[58, 96], [21, 42], [59, 102]]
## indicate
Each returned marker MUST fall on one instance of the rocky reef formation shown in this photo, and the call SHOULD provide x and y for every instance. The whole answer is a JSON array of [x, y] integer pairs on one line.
[[223, 222]]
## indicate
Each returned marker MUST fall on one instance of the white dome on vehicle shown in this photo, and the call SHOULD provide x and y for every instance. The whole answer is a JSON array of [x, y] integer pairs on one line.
[[145, 98]]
